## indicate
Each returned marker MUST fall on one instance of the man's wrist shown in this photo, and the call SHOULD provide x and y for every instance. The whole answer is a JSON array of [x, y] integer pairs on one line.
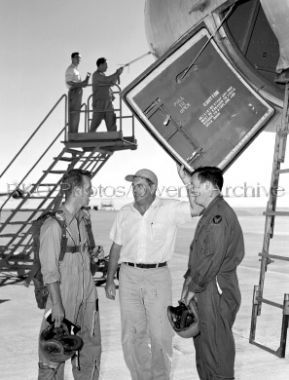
[[110, 278], [57, 303]]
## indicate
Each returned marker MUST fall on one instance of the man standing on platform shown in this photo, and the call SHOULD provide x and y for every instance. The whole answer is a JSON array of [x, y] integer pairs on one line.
[[143, 236], [102, 96], [75, 85]]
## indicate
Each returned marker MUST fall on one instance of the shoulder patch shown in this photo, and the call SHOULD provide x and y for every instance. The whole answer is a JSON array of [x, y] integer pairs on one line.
[[217, 219]]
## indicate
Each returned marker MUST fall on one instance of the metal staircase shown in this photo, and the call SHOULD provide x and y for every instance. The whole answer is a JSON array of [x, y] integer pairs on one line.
[[266, 257], [87, 151]]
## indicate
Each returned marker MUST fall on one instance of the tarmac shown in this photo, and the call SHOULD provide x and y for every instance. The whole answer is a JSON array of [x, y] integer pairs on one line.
[[20, 318]]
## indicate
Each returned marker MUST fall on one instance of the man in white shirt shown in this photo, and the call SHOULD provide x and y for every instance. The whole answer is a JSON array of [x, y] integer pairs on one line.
[[74, 84], [143, 236]]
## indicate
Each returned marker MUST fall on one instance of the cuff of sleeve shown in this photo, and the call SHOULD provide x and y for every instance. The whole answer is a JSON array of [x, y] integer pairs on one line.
[[193, 287], [51, 277], [115, 240], [187, 274]]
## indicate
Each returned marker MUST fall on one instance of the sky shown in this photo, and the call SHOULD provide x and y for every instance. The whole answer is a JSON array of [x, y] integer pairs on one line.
[[37, 38]]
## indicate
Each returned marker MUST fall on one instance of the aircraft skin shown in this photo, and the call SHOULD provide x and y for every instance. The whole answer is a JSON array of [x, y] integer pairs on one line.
[[167, 20], [239, 27]]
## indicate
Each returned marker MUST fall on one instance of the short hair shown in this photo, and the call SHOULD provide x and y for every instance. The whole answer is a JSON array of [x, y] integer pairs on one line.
[[71, 179], [212, 174], [75, 54], [100, 61]]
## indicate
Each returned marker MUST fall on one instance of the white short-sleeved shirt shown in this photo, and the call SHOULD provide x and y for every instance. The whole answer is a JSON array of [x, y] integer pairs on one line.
[[72, 75], [149, 238]]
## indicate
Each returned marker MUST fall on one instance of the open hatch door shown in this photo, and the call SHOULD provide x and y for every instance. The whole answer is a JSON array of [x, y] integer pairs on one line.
[[196, 105]]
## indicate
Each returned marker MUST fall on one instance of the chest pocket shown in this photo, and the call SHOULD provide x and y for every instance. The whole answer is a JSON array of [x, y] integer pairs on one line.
[[203, 241], [158, 230]]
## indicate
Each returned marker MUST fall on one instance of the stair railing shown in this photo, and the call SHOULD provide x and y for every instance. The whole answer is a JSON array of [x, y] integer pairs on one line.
[[33, 167], [64, 96]]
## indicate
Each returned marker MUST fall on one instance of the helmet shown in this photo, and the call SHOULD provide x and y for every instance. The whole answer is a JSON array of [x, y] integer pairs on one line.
[[184, 319], [99, 271], [57, 344]]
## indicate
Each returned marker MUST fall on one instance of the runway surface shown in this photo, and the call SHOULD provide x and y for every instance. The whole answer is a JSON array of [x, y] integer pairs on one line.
[[20, 318]]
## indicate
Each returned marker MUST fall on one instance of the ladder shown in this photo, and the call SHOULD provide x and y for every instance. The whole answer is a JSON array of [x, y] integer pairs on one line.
[[266, 258]]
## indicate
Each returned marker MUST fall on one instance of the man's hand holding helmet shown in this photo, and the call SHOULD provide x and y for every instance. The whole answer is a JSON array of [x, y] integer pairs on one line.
[[187, 295]]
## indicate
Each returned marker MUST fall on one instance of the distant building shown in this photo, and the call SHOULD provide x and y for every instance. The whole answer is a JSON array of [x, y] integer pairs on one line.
[[107, 204]]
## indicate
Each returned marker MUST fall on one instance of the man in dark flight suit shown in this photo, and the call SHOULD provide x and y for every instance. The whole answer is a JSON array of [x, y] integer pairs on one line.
[[211, 278]]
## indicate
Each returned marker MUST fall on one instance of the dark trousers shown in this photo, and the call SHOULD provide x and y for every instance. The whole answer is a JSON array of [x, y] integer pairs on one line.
[[215, 347], [103, 110], [74, 105]]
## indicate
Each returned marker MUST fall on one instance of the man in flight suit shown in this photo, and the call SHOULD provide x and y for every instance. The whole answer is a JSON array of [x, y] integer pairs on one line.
[[103, 97], [211, 278], [72, 293]]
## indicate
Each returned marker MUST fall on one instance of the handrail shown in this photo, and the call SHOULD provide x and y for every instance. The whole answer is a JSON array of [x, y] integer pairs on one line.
[[64, 96]]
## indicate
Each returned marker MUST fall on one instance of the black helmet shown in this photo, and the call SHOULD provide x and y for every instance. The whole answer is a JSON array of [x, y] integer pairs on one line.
[[184, 319], [57, 344]]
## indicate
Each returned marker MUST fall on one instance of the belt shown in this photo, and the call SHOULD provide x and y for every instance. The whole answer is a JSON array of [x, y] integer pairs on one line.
[[147, 266], [73, 249]]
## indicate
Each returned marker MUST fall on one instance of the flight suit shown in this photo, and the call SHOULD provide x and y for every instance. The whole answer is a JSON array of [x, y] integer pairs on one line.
[[215, 253], [78, 293], [102, 100]]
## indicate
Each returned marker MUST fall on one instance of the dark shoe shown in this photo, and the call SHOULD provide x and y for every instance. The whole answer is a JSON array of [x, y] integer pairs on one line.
[[283, 77]]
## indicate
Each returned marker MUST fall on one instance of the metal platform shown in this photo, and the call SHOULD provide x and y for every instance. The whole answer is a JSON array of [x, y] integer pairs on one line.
[[110, 141]]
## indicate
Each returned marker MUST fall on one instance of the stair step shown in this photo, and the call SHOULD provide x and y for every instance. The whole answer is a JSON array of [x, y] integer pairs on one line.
[[277, 257], [54, 171], [13, 246], [16, 267], [18, 222], [20, 257], [276, 213], [40, 197], [44, 184], [73, 151], [282, 171], [68, 159], [272, 303], [29, 209], [12, 234]]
